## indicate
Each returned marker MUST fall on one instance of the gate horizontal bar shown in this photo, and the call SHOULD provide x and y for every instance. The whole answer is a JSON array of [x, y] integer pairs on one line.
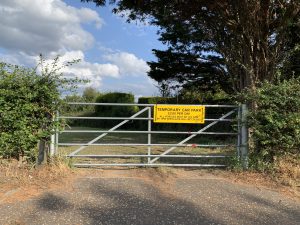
[[125, 118], [147, 156], [193, 135], [111, 129], [147, 165], [133, 144], [146, 132], [137, 104], [94, 160], [103, 118]]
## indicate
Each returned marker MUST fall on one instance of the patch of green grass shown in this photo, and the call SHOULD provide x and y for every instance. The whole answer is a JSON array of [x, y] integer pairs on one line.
[[139, 138]]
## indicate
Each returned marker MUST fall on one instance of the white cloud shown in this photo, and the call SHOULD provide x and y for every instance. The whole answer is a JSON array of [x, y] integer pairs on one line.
[[94, 72], [51, 27], [43, 26], [138, 88], [128, 63], [86, 69], [87, 15], [97, 72]]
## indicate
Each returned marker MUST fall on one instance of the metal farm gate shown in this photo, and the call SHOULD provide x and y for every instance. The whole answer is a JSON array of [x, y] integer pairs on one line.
[[154, 145]]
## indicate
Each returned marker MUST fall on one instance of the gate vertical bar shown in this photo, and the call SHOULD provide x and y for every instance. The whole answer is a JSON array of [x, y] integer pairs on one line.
[[149, 134], [238, 148], [244, 137]]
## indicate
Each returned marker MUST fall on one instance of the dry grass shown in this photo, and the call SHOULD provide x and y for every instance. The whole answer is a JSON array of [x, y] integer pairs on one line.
[[284, 175], [287, 170], [20, 181], [27, 173]]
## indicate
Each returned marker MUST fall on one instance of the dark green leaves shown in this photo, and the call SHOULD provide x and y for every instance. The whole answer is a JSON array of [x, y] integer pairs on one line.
[[28, 102], [275, 119]]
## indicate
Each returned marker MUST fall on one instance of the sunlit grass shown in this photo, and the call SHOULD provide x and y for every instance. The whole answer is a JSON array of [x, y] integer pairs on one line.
[[138, 138]]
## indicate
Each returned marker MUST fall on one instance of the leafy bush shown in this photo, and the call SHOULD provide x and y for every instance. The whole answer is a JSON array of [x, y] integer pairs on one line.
[[156, 100], [90, 94], [274, 119], [28, 101], [115, 97]]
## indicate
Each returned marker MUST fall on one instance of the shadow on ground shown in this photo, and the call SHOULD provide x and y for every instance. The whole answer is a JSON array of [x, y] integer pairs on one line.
[[132, 201], [110, 201]]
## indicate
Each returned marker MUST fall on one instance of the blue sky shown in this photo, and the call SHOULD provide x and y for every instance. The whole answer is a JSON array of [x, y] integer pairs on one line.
[[113, 53]]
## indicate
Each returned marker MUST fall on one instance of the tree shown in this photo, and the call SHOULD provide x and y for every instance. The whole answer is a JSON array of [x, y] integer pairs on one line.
[[291, 65], [164, 88], [90, 94], [187, 70], [249, 36], [72, 110]]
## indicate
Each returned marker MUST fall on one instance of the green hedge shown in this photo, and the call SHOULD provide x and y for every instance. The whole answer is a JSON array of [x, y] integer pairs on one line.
[[274, 119], [28, 101], [114, 111]]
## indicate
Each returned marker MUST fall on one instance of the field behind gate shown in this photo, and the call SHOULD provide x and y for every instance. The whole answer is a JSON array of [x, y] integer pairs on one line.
[[136, 138]]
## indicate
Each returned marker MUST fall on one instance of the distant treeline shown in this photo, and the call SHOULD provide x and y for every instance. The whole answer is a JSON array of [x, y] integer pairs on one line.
[[127, 111]]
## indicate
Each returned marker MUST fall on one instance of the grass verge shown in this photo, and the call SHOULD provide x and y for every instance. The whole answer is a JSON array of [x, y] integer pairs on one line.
[[20, 181]]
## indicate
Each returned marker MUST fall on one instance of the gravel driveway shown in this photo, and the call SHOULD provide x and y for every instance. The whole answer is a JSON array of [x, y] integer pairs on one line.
[[132, 200]]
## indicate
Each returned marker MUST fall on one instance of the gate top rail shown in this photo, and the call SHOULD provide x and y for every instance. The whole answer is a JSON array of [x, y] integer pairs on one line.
[[137, 104]]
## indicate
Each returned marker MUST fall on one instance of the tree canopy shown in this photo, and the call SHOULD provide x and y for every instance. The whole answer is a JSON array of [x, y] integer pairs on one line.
[[235, 43]]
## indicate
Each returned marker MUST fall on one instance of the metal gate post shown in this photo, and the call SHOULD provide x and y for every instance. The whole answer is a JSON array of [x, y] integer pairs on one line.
[[53, 139], [149, 134], [57, 132], [52, 145], [238, 144], [244, 147]]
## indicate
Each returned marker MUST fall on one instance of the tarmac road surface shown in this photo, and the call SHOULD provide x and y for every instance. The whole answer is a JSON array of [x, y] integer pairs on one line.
[[132, 200]]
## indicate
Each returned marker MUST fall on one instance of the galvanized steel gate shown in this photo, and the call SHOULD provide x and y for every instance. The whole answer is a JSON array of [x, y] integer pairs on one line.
[[240, 133]]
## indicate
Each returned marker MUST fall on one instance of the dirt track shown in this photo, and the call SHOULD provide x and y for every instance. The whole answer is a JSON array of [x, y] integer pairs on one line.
[[133, 197]]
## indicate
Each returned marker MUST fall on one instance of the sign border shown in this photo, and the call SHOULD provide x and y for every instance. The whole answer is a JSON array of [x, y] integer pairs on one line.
[[179, 122]]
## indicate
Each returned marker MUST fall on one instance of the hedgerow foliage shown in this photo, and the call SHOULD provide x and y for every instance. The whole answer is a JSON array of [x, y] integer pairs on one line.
[[275, 119], [115, 111], [28, 101]]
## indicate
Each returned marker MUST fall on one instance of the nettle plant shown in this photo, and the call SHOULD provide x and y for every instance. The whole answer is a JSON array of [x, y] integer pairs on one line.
[[29, 98], [275, 120]]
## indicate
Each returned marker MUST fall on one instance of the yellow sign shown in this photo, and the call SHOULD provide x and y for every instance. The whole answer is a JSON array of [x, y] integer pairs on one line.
[[179, 114]]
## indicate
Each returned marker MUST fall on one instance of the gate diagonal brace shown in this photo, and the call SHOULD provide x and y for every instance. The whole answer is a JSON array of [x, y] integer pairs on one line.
[[112, 129], [194, 135]]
